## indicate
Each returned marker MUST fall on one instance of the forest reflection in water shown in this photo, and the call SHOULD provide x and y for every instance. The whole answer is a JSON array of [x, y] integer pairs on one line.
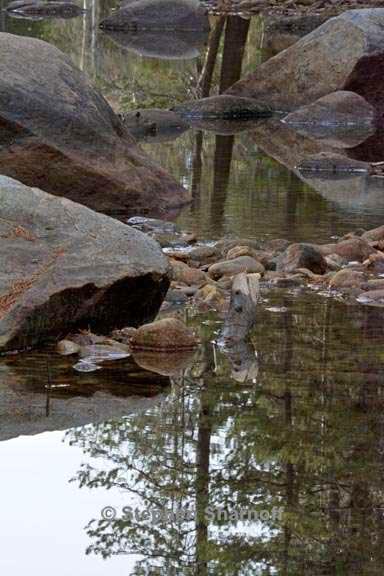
[[293, 419], [303, 433]]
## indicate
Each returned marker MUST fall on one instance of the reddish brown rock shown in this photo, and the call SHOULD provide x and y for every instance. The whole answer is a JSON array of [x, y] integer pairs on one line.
[[301, 256], [347, 278], [165, 334], [184, 274], [353, 250]]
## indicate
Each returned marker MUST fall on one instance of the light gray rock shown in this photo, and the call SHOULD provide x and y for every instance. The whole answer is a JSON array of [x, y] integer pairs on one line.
[[64, 266]]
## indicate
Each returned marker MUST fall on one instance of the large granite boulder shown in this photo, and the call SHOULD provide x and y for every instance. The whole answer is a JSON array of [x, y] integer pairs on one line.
[[60, 134], [64, 266], [345, 53]]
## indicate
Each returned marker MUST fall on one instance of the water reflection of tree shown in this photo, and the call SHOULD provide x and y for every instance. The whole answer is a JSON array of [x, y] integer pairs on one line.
[[307, 437], [235, 31]]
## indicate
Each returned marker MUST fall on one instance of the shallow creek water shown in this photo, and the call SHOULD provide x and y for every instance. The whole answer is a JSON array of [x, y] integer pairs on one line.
[[266, 459]]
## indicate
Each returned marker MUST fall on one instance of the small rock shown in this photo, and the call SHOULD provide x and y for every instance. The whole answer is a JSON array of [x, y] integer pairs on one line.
[[153, 225], [260, 255], [67, 347], [184, 274], [97, 353], [375, 263], [176, 296], [334, 262], [235, 266], [223, 246], [377, 284], [347, 278], [203, 254], [211, 296], [124, 335], [288, 282], [301, 256], [374, 235], [372, 296], [354, 249], [84, 366], [165, 334]]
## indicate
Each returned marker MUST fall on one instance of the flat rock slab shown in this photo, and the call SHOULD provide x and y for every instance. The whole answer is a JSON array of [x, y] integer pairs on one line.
[[63, 266]]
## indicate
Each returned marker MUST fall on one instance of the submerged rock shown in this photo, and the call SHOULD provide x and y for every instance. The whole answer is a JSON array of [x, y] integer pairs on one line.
[[59, 133], [345, 53], [158, 15], [64, 266]]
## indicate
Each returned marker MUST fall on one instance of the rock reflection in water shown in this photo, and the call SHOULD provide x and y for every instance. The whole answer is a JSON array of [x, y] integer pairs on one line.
[[161, 44], [304, 439], [41, 392]]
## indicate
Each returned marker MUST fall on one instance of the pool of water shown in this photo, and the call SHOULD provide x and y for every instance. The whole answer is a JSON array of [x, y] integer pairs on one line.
[[264, 459]]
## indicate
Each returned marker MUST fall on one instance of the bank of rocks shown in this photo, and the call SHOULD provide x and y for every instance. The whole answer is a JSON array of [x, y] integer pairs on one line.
[[351, 266]]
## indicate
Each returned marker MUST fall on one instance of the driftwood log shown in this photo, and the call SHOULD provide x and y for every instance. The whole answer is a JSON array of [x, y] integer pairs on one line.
[[241, 315]]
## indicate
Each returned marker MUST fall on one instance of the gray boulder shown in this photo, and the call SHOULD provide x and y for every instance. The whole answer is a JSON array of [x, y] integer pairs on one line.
[[59, 133], [63, 266], [345, 53]]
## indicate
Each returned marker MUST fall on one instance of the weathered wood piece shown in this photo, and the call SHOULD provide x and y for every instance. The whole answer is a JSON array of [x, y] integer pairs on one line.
[[241, 316]]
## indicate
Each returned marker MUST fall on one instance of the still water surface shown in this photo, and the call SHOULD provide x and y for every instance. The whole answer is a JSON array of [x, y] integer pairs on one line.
[[290, 422]]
